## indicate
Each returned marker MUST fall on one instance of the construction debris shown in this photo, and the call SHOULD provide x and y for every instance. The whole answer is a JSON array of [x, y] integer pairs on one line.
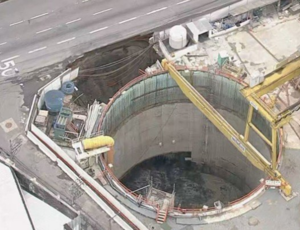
[[93, 115]]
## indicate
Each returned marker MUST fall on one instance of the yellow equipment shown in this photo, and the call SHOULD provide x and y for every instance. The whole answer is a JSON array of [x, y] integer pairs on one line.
[[98, 142], [290, 70], [286, 71]]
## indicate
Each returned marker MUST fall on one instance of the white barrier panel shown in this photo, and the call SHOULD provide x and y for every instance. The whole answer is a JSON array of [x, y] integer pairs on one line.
[[31, 115], [224, 12], [79, 182], [51, 82], [85, 176], [37, 132], [51, 149], [70, 76], [56, 84], [74, 74]]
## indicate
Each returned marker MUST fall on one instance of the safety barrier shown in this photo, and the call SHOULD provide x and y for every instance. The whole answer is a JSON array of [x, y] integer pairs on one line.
[[121, 188], [103, 198], [179, 212]]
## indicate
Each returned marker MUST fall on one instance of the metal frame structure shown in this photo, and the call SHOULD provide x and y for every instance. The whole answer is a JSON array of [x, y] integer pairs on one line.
[[277, 78], [285, 72]]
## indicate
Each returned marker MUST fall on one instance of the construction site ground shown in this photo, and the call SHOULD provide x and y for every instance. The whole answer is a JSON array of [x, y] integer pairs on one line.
[[260, 48], [17, 95]]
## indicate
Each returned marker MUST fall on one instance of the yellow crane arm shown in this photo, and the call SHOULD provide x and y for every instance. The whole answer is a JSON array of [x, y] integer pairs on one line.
[[228, 131], [288, 70]]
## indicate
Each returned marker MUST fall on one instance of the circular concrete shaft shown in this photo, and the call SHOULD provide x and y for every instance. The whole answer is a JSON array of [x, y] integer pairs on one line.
[[153, 117]]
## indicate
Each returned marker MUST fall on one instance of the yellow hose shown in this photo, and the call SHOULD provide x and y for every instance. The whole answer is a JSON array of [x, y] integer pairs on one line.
[[98, 142]]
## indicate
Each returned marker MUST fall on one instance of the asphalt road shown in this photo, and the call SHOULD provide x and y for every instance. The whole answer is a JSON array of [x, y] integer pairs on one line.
[[38, 33]]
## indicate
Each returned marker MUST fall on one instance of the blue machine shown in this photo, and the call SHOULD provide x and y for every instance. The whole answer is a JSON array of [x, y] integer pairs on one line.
[[54, 100]]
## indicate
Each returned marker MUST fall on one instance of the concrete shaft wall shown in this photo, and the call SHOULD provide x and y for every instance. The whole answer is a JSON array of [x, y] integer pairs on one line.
[[144, 125], [182, 127]]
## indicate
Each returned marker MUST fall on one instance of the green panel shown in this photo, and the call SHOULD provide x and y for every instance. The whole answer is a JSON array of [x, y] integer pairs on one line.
[[219, 91], [201, 79]]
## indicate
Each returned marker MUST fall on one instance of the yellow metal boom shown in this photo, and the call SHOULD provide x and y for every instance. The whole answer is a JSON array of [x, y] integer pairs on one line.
[[286, 70], [232, 135]]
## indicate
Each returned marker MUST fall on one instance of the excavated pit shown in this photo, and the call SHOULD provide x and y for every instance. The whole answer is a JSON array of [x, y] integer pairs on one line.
[[161, 136], [104, 71]]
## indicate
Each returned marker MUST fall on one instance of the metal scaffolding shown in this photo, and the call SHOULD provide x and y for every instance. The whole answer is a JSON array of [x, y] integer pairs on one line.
[[284, 73]]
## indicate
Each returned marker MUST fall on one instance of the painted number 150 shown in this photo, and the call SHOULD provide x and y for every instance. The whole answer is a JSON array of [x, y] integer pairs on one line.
[[6, 69]]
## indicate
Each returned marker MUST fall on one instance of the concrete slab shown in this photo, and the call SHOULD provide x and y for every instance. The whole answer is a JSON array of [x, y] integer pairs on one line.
[[291, 138], [40, 213], [13, 210], [261, 49], [254, 56], [276, 37]]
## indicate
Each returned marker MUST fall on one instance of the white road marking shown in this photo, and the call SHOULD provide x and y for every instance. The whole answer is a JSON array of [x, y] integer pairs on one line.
[[76, 20], [16, 23], [36, 50], [130, 19], [7, 59], [155, 11], [94, 31], [85, 1], [3, 43], [38, 16], [103, 11], [42, 31], [185, 1], [70, 39]]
